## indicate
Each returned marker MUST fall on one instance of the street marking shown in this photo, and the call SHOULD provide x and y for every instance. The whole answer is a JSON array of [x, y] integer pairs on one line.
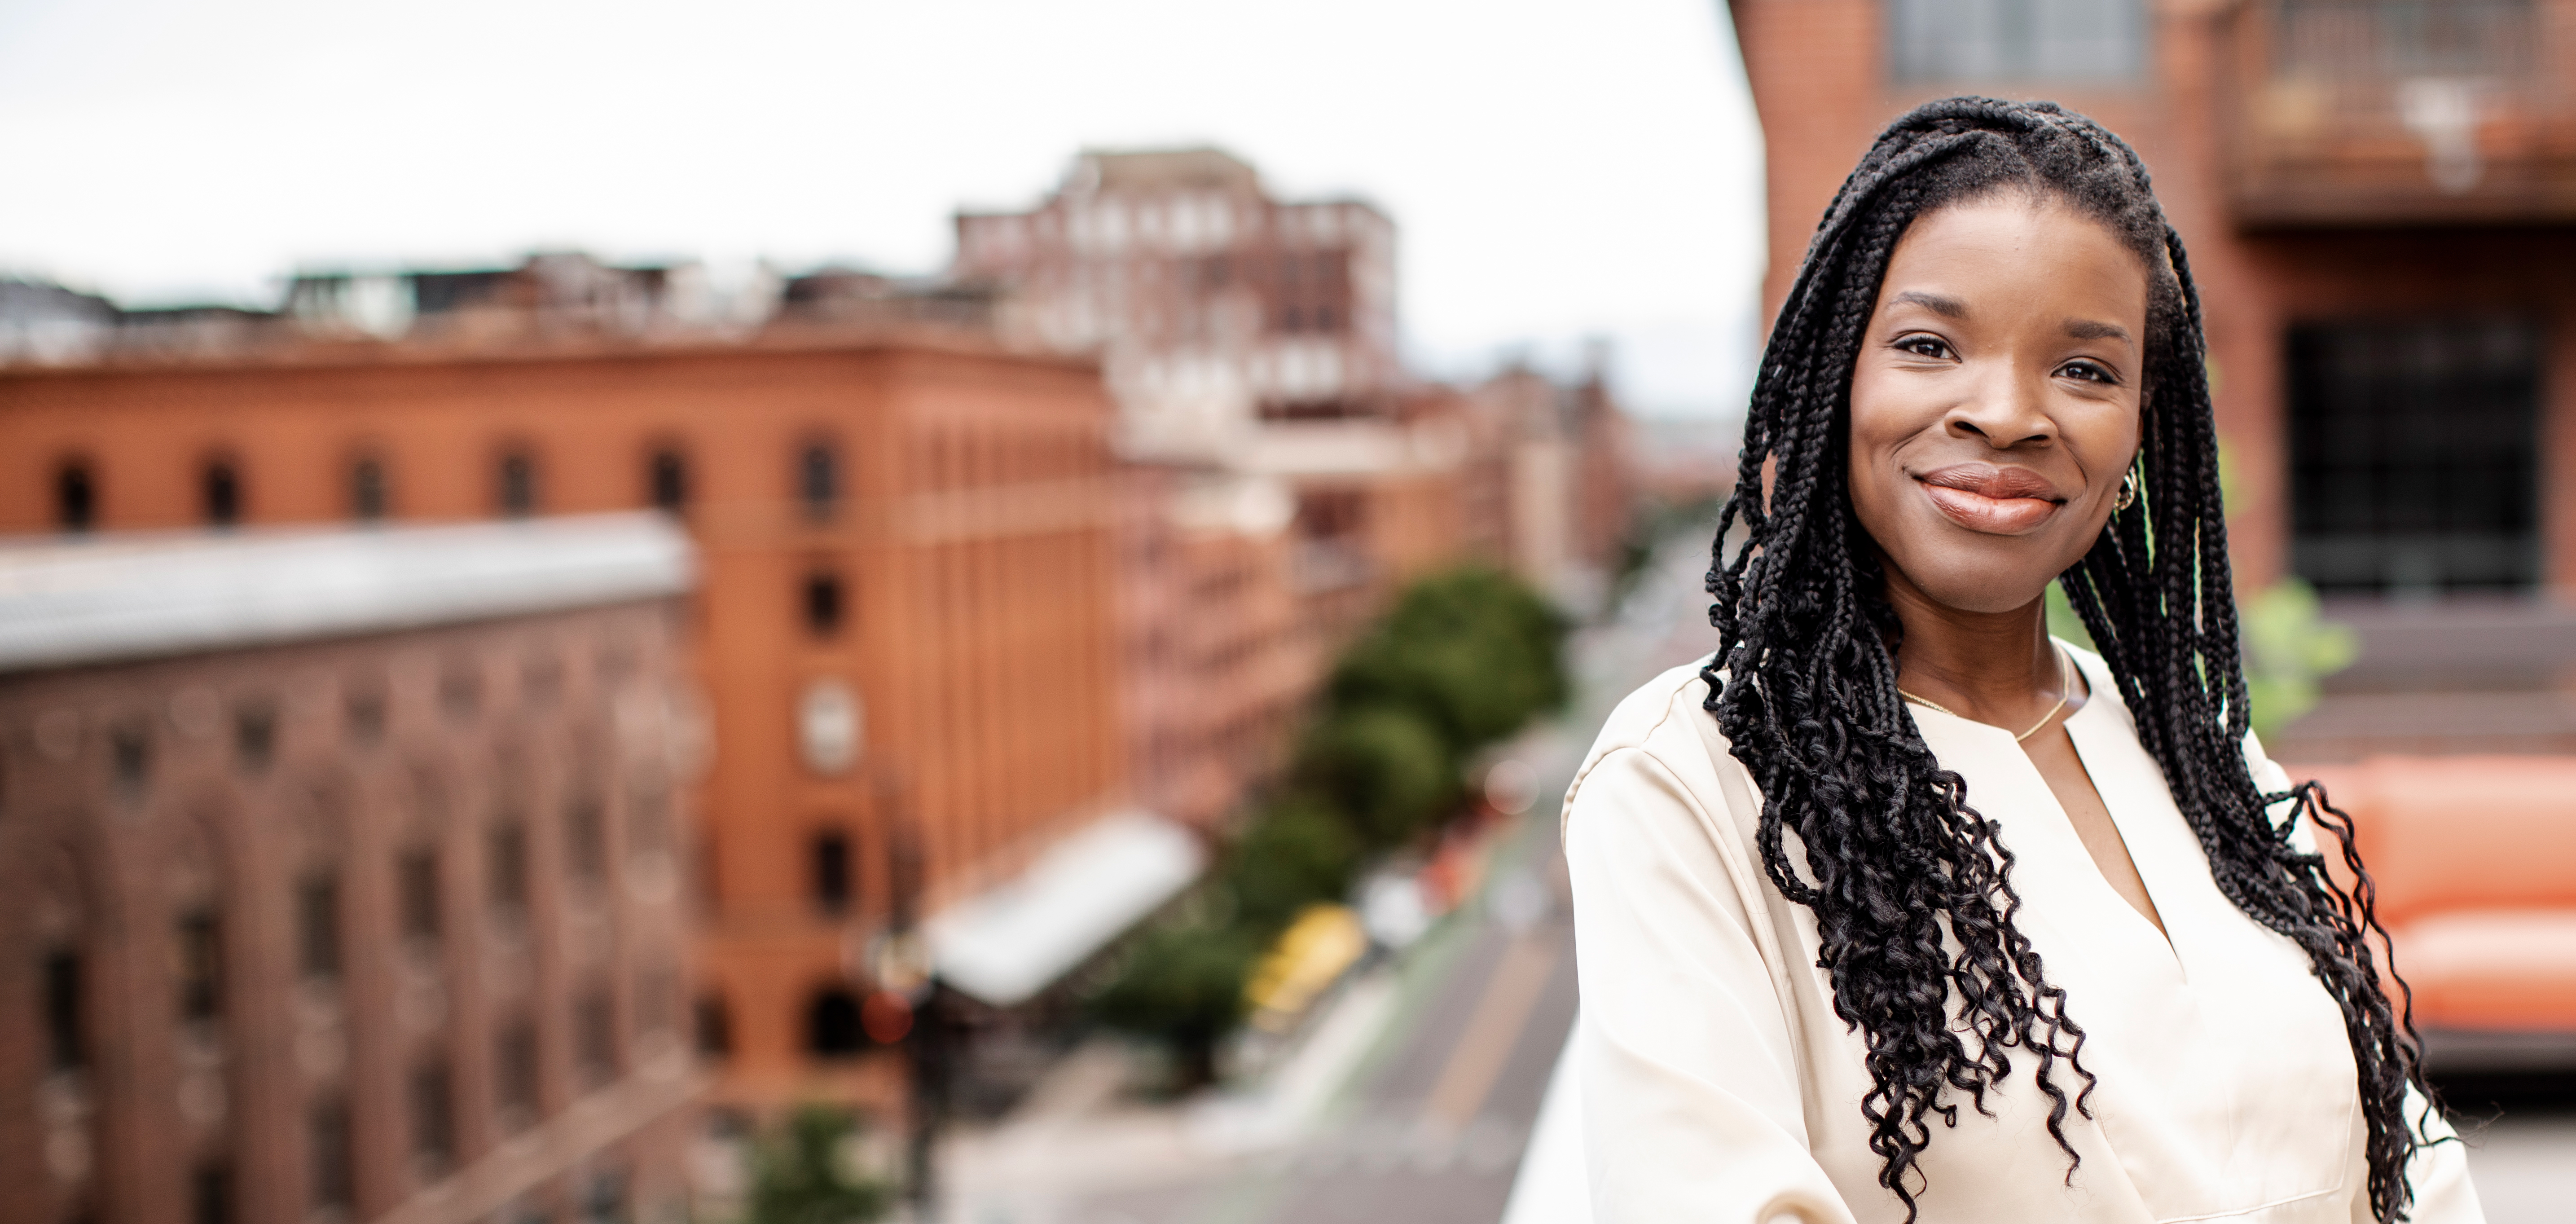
[[1499, 1018]]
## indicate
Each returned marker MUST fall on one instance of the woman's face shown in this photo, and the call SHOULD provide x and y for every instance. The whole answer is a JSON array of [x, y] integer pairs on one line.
[[1994, 406]]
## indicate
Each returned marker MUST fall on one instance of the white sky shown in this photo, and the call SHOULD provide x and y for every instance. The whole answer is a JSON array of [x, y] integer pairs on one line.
[[1558, 171]]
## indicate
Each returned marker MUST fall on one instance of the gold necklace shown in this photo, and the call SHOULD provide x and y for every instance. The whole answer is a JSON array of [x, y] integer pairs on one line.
[[2064, 691]]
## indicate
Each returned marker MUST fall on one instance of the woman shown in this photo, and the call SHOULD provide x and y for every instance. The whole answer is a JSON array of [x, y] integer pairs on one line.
[[1899, 909]]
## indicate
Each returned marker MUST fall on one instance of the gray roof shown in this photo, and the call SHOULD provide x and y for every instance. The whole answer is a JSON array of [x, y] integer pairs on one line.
[[77, 599]]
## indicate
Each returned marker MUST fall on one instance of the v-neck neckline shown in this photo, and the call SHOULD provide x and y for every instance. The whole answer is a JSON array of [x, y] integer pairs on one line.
[[2079, 726]]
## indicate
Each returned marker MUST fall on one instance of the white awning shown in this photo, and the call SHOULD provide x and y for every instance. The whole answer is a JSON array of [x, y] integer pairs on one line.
[[1009, 943]]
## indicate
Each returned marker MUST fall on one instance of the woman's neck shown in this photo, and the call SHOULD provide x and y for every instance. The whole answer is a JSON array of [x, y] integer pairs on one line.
[[1993, 667]]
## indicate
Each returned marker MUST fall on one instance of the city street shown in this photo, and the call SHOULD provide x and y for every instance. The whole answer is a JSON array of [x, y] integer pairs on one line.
[[1414, 1097]]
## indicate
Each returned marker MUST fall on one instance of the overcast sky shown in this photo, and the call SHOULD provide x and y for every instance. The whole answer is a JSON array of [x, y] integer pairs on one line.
[[1558, 170]]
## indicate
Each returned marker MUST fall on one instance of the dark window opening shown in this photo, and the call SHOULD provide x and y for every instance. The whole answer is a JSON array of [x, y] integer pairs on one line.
[[2092, 41], [518, 485], [832, 871], [368, 497], [416, 889], [715, 1027], [1292, 319], [832, 1028], [75, 497], [594, 1026], [365, 712], [603, 1201], [586, 838], [433, 1115], [541, 677], [514, 1068], [65, 1045], [210, 1194], [333, 1182], [460, 688], [255, 736], [818, 480], [2413, 451], [668, 481], [223, 493], [200, 957], [130, 758], [317, 928], [823, 608], [509, 870]]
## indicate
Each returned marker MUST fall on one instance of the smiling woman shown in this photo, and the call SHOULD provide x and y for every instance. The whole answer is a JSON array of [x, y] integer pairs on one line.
[[1893, 856]]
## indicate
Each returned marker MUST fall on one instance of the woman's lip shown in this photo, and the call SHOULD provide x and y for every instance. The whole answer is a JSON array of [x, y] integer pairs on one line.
[[1994, 515]]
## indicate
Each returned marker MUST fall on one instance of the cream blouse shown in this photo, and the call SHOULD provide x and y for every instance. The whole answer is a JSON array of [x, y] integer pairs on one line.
[[1720, 1088]]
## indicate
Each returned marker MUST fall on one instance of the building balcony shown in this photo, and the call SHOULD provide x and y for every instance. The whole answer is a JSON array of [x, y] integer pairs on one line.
[[2409, 112]]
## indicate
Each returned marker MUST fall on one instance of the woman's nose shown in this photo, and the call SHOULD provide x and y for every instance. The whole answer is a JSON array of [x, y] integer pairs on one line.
[[2005, 410]]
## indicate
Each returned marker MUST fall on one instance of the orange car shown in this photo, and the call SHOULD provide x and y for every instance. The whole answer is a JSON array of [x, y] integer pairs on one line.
[[2475, 862]]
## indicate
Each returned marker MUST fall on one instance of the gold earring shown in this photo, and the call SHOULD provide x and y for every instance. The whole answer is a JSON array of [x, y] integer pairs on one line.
[[2128, 495]]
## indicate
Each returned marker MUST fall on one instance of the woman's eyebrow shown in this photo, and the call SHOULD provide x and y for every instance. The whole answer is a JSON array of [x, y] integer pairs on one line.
[[2089, 329], [1946, 307]]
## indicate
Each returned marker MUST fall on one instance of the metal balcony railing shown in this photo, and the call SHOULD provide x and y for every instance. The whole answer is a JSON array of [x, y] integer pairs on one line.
[[2403, 111]]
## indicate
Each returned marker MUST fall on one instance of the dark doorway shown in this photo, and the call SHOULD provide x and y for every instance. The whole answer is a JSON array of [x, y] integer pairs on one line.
[[2413, 454]]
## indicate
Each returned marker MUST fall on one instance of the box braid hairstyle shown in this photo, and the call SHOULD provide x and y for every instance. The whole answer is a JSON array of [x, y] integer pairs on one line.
[[1804, 686]]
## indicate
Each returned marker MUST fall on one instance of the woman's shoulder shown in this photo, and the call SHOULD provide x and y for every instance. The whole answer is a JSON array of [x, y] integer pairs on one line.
[[1662, 731]]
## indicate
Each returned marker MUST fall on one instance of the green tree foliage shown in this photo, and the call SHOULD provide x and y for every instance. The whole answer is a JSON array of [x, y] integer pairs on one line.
[[1465, 658], [1294, 853], [800, 1176], [1385, 768], [1473, 651], [2289, 647], [1182, 984]]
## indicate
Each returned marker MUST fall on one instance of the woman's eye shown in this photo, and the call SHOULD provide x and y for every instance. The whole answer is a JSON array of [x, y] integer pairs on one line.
[[2087, 371], [1924, 346]]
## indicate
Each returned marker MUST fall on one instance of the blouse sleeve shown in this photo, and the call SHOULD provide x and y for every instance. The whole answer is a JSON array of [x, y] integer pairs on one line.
[[1691, 1089], [2439, 1172]]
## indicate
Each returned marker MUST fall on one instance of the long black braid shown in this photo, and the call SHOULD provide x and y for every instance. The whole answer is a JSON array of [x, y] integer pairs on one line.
[[1893, 859]]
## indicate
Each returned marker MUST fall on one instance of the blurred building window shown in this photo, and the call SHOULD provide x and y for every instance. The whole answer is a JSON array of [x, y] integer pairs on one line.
[[667, 480], [221, 485], [199, 950], [2413, 454], [317, 927], [416, 895], [594, 1028], [516, 484], [657, 998], [508, 868], [460, 687], [369, 499], [254, 736], [130, 758], [2089, 41], [433, 1115], [715, 1026], [363, 706], [603, 1200], [818, 480], [66, 1027], [327, 1140], [832, 1028], [210, 1194], [823, 603], [514, 1073], [832, 871], [75, 496], [586, 836]]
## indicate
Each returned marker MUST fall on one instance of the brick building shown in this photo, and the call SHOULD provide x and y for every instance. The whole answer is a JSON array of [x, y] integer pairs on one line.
[[905, 627], [2378, 197], [346, 875]]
